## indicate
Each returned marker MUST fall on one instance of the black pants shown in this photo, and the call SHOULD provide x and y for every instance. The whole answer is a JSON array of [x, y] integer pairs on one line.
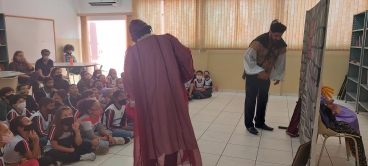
[[85, 147], [256, 92], [45, 161]]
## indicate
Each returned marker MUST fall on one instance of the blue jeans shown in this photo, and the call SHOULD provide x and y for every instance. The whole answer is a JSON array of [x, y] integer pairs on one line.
[[101, 143], [121, 133]]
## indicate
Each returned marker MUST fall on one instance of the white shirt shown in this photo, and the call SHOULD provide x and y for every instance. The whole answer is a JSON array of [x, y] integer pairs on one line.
[[251, 67]]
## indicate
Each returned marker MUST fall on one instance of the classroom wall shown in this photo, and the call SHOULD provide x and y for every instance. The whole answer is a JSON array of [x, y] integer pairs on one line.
[[1, 6], [85, 7], [63, 12], [226, 67]]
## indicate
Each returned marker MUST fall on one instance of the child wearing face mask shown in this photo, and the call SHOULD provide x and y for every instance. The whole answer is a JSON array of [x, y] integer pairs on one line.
[[64, 140], [73, 98], [31, 104], [207, 84], [112, 78], [105, 97], [96, 73], [7, 137], [119, 85], [84, 82], [90, 119], [5, 94], [25, 144], [42, 119], [59, 82], [58, 97], [19, 108], [115, 117], [199, 86], [45, 91]]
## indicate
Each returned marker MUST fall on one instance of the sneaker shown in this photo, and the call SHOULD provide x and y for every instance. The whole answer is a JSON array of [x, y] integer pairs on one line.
[[88, 156], [101, 150], [58, 163], [121, 140]]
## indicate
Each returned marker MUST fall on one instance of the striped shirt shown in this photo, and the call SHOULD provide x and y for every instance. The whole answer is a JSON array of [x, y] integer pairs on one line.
[[114, 119], [65, 140], [14, 152], [13, 113], [41, 123]]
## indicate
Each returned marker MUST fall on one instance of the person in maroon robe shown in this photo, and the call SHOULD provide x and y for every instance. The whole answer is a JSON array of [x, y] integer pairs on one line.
[[155, 71]]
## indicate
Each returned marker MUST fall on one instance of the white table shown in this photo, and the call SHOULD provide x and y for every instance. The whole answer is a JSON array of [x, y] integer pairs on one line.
[[75, 64], [9, 78], [5, 74]]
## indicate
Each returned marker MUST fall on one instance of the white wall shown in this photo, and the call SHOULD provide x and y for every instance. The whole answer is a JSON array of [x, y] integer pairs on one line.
[[84, 7], [64, 13], [1, 6]]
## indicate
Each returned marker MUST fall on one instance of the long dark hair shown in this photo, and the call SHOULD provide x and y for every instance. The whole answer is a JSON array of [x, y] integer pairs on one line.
[[59, 129], [15, 123], [84, 105], [111, 71]]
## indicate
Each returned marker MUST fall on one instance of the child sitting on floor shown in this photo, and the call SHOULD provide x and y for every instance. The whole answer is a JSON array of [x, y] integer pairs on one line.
[[65, 141], [31, 104], [112, 77], [198, 84], [18, 104], [207, 84]]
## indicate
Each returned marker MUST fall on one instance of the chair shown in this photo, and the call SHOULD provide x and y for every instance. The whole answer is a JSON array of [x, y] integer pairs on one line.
[[326, 133]]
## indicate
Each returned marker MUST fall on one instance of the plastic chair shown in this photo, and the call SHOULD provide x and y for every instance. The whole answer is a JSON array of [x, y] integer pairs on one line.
[[326, 133]]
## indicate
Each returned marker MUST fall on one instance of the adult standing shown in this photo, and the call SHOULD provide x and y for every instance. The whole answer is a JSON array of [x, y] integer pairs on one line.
[[44, 65], [21, 64], [263, 61], [155, 71]]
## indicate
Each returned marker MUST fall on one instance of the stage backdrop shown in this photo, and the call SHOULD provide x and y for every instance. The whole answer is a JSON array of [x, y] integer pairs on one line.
[[311, 71]]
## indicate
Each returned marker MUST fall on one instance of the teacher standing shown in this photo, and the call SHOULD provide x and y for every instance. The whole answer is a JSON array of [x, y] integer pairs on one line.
[[264, 61], [155, 71]]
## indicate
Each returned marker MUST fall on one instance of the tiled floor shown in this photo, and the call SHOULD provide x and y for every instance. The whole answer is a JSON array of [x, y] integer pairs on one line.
[[223, 140]]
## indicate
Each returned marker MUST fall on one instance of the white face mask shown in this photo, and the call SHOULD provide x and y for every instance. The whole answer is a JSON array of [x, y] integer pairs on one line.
[[45, 57], [22, 105], [199, 77]]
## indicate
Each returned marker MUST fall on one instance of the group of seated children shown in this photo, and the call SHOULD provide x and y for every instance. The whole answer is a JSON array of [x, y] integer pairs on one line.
[[64, 124], [199, 87]]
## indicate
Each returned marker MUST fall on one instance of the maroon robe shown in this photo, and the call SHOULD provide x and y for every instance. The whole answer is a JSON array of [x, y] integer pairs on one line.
[[155, 71]]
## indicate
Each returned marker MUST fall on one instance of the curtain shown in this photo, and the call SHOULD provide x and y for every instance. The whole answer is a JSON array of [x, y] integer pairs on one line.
[[150, 12], [292, 14], [181, 20], [340, 22], [254, 19], [233, 24]]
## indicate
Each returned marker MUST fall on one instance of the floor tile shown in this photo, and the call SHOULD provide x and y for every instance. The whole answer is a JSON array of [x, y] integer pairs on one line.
[[219, 106], [211, 147], [215, 136], [193, 111], [117, 148], [276, 135], [336, 151], [232, 115], [209, 112], [128, 151], [238, 151], [229, 161], [343, 162], [259, 163], [275, 156], [274, 144], [221, 128], [203, 118], [198, 133], [117, 159], [209, 159], [325, 161], [275, 119], [226, 121], [251, 141], [200, 125]]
